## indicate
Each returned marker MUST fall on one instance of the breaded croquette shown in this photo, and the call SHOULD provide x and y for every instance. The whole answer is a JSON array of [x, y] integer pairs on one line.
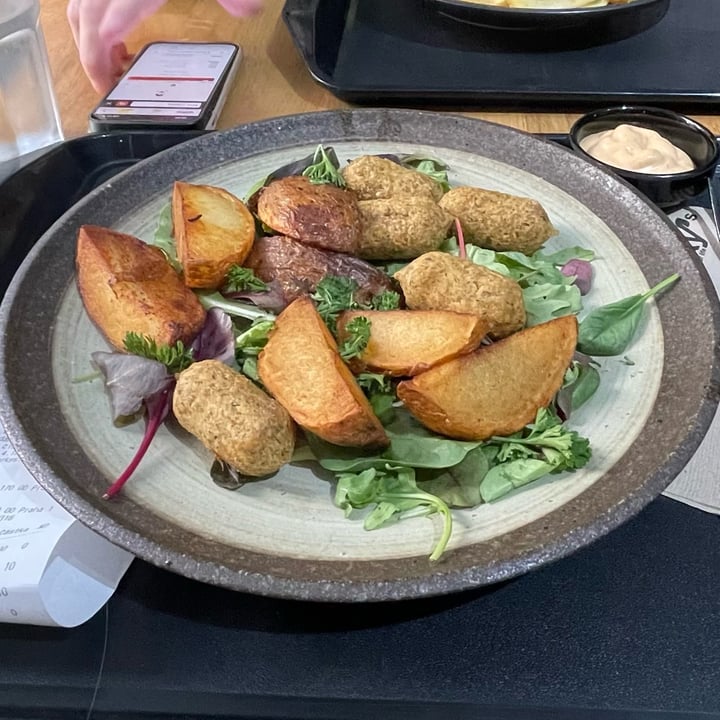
[[401, 228], [499, 221], [372, 176], [234, 418], [439, 281]]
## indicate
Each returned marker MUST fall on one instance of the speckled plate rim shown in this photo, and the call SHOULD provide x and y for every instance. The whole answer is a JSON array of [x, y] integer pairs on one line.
[[689, 393]]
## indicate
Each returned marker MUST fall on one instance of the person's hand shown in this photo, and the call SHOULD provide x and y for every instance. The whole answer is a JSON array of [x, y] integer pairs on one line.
[[100, 27]]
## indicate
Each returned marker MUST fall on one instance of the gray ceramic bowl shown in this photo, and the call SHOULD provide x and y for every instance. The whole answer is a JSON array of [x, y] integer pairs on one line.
[[665, 190], [283, 536]]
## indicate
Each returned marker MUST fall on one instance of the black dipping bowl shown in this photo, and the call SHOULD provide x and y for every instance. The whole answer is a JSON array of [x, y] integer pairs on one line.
[[665, 190], [538, 29]]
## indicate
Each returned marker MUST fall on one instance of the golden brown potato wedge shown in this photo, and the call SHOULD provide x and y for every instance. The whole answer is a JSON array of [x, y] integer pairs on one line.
[[317, 214], [440, 281], [497, 389], [408, 342], [129, 286], [301, 368], [234, 418], [371, 177], [213, 230], [499, 221]]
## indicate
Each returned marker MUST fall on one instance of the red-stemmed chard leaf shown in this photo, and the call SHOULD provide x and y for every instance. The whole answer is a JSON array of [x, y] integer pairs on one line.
[[462, 252], [157, 409], [136, 382]]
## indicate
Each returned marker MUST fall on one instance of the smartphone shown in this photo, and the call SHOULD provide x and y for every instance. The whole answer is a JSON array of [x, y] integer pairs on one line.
[[170, 85]]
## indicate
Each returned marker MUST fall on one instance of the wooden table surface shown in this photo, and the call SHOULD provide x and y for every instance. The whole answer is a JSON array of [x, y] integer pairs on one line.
[[271, 81]]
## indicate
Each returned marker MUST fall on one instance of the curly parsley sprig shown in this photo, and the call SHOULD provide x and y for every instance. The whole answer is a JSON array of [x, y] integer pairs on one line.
[[324, 168], [242, 279], [175, 357], [357, 336]]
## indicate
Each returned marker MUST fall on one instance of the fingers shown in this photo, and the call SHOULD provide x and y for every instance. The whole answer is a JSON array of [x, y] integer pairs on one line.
[[241, 7], [99, 27], [73, 16], [121, 16], [94, 56]]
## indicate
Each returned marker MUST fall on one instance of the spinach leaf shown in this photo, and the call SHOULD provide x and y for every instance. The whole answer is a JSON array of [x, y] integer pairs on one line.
[[163, 237], [381, 394], [501, 479], [431, 166], [237, 308], [609, 329], [458, 486], [395, 494], [560, 257], [581, 381], [411, 445], [546, 301]]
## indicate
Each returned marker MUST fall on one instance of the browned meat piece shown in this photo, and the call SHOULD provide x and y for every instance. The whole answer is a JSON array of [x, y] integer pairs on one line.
[[321, 215], [299, 268]]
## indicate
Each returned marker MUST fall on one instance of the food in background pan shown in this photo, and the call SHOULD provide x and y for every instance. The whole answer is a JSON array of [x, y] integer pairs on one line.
[[549, 4]]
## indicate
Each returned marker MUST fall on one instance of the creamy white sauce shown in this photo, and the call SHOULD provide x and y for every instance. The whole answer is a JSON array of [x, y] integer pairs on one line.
[[638, 149]]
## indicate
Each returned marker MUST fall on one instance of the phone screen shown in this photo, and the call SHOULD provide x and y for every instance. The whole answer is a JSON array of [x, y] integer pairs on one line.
[[168, 83]]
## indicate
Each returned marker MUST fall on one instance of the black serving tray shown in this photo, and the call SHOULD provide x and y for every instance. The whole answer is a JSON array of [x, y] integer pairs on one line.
[[405, 52], [625, 629]]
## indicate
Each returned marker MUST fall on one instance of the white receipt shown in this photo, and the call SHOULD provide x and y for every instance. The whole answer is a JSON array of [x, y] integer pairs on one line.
[[697, 484], [53, 569]]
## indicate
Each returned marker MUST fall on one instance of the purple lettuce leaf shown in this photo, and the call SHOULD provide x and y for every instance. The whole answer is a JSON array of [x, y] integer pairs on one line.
[[216, 339], [129, 380], [273, 299], [582, 271]]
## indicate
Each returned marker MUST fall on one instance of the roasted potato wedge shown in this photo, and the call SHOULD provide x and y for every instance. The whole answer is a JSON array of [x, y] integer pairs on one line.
[[129, 286], [408, 342], [234, 418], [299, 268], [497, 389], [372, 176], [499, 221], [440, 281], [213, 230], [321, 215], [401, 228], [301, 368]]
